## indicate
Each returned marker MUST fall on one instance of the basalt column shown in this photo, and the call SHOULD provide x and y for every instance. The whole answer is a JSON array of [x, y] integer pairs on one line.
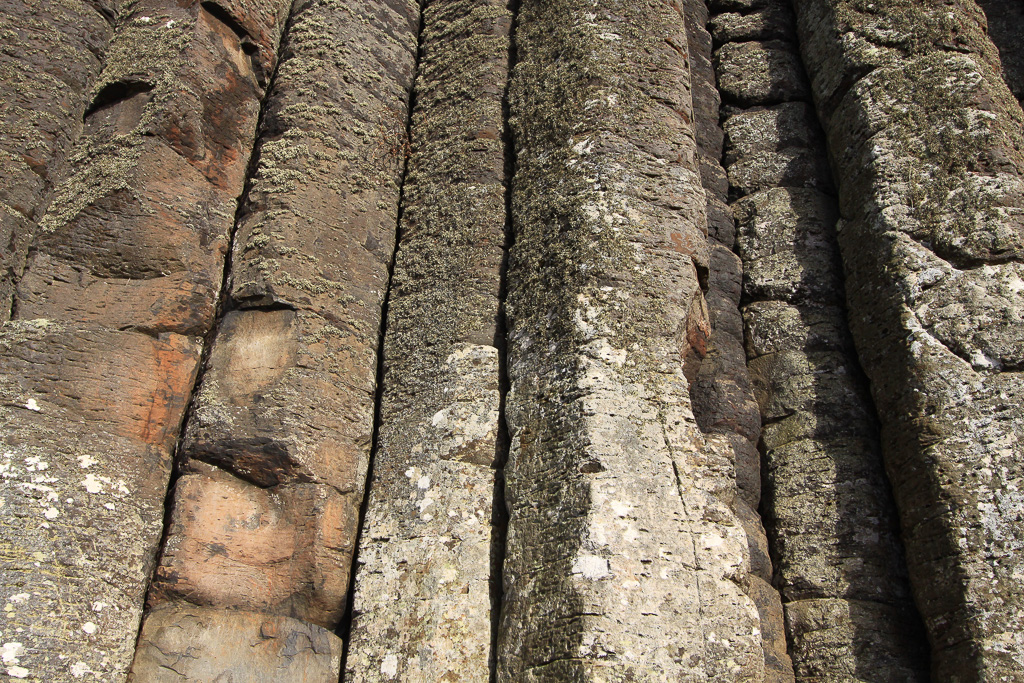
[[53, 53], [622, 564], [425, 593], [830, 516], [98, 366], [276, 447], [927, 144], [723, 399]]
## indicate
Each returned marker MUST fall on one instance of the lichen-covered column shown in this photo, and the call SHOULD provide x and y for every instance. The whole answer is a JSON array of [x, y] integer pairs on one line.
[[927, 144], [277, 442], [621, 562], [429, 555], [53, 52], [827, 505], [98, 365]]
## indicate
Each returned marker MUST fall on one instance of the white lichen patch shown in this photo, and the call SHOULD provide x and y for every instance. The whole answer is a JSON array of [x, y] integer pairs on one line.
[[32, 405], [591, 567]]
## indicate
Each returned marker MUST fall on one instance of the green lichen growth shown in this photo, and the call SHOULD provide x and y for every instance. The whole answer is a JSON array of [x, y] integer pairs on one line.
[[948, 115]]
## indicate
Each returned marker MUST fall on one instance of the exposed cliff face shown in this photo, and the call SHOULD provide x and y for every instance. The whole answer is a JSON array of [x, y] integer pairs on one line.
[[474, 340]]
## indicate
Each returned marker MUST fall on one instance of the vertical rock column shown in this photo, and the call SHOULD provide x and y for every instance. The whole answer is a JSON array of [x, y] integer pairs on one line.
[[622, 564], [425, 594], [276, 447], [829, 512], [53, 53], [723, 400], [95, 387], [926, 140]]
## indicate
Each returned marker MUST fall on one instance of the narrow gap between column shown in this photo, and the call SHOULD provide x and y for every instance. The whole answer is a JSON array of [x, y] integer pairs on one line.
[[499, 508], [345, 627]]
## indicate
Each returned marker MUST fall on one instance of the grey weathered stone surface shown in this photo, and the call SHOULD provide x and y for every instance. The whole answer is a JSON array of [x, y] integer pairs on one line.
[[429, 557], [233, 646], [827, 508], [759, 73], [52, 53], [926, 141], [618, 546], [146, 209], [85, 455]]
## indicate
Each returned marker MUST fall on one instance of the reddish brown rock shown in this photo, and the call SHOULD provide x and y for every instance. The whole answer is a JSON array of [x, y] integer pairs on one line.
[[187, 644], [283, 550], [154, 179]]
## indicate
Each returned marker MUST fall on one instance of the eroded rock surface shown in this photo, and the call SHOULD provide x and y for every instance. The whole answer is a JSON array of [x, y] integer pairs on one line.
[[926, 141], [622, 560], [52, 54], [429, 557]]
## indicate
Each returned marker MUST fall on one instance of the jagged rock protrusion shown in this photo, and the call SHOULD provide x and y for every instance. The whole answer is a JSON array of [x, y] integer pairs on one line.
[[827, 506], [723, 399], [277, 443], [622, 561], [427, 557], [926, 140], [53, 52]]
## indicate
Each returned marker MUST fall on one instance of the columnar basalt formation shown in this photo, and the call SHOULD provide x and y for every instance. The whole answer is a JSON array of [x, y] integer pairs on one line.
[[53, 53], [623, 561], [428, 557], [450, 340], [926, 139], [275, 451], [831, 520], [147, 205], [723, 399]]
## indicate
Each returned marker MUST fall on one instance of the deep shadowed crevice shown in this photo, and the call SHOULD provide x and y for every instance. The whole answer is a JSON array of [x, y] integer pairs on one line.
[[344, 629], [499, 521], [222, 308]]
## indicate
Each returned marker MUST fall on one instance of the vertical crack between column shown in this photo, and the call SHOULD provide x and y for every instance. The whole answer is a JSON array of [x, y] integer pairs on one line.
[[344, 630], [499, 509]]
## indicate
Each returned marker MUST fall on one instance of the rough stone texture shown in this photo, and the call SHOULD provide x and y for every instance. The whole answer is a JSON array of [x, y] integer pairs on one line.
[[779, 146], [235, 646], [1005, 24], [430, 552], [828, 512], [85, 455], [622, 562], [760, 73], [774, 21], [52, 53], [283, 550], [926, 141], [286, 401], [147, 208]]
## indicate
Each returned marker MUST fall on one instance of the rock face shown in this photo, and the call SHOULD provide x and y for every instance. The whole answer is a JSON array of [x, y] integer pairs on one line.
[[926, 139], [429, 552], [830, 517], [53, 53], [550, 340]]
